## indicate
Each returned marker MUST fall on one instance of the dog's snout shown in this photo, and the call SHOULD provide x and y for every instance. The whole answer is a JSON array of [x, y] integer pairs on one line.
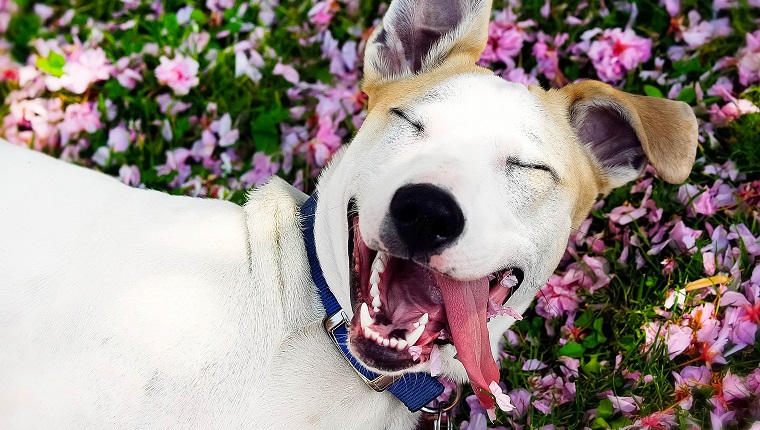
[[426, 217]]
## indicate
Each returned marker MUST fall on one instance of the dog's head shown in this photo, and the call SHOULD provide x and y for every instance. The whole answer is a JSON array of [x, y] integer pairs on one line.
[[453, 204]]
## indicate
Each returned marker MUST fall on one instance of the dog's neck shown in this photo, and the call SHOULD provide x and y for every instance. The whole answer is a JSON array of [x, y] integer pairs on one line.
[[305, 360]]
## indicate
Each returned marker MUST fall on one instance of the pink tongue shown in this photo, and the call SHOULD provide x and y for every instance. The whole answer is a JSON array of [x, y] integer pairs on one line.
[[466, 303]]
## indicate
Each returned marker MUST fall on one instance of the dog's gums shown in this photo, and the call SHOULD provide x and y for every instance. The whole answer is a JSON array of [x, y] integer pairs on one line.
[[399, 308]]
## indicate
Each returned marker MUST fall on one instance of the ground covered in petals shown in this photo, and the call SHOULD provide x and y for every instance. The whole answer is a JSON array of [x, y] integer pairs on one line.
[[650, 322]]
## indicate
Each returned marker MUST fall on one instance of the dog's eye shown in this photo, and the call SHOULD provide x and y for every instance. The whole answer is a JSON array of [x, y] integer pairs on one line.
[[536, 166], [401, 114]]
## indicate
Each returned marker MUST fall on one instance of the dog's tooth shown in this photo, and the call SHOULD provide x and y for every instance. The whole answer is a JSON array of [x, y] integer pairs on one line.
[[423, 319], [374, 278], [375, 290], [414, 336], [382, 257], [366, 319], [379, 340], [374, 335], [393, 342], [376, 309], [376, 302], [402, 344], [379, 265], [386, 342], [367, 332]]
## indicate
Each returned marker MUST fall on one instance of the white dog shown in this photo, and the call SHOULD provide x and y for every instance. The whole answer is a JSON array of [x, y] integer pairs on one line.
[[126, 308]]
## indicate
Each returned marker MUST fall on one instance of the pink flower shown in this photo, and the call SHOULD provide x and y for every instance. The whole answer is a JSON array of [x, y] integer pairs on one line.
[[33, 121], [118, 138], [179, 73], [625, 404], [127, 77], [170, 106], [502, 398], [219, 5], [731, 111], [678, 340], [700, 32], [689, 378], [263, 169], [79, 118], [533, 364], [286, 71], [521, 400], [130, 175], [734, 388], [82, 69], [617, 52], [228, 136], [176, 162], [685, 237], [415, 351], [626, 214], [322, 12], [672, 6], [519, 76], [546, 52], [748, 60], [657, 421], [435, 361]]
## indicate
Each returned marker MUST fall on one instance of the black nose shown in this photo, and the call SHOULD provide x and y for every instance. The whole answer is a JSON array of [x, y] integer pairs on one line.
[[426, 217]]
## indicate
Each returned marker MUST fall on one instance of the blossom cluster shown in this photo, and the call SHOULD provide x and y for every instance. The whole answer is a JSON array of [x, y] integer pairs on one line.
[[650, 321]]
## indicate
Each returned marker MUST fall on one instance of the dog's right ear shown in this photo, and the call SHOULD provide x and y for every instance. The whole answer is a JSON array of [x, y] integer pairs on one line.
[[417, 36]]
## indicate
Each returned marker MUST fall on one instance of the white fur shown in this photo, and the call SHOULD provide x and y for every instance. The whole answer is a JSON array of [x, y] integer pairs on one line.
[[123, 308], [515, 217], [127, 308]]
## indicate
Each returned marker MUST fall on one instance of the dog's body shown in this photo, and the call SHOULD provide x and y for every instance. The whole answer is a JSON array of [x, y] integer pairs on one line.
[[144, 310], [126, 308]]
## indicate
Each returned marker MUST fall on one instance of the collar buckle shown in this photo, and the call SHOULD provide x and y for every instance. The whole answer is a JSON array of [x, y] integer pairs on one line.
[[334, 322]]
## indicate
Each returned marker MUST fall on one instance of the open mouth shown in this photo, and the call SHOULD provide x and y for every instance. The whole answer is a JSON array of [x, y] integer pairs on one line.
[[403, 310]]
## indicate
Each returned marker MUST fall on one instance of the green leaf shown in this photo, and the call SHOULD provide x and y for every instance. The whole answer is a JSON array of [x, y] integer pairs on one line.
[[571, 349], [591, 341], [198, 16], [598, 324], [266, 135], [56, 60], [234, 26], [628, 342], [592, 366], [171, 24], [653, 91], [599, 423], [687, 95], [621, 422], [605, 409], [585, 319], [684, 67], [44, 65]]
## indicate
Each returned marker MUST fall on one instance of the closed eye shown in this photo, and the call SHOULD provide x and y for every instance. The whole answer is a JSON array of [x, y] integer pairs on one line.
[[401, 114], [536, 166]]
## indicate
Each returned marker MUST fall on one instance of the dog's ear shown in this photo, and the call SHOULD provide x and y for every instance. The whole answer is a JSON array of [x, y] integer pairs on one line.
[[623, 131], [417, 36]]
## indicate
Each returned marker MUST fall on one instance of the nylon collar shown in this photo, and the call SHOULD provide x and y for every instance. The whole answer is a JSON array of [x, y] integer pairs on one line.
[[415, 390]]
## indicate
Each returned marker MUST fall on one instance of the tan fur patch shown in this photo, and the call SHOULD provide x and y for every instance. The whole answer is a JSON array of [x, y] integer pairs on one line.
[[667, 129]]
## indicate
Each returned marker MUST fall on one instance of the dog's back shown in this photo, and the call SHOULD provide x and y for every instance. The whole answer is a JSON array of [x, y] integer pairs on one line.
[[133, 294]]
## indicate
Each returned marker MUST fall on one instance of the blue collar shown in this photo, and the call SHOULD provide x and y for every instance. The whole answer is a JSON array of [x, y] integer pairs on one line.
[[414, 390]]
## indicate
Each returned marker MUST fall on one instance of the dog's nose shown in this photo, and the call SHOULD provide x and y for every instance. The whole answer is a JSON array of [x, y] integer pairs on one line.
[[426, 217]]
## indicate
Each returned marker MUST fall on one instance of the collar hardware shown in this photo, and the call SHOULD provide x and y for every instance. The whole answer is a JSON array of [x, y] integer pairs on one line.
[[340, 319], [413, 390]]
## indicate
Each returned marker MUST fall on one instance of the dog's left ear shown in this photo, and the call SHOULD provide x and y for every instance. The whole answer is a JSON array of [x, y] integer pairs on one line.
[[623, 131], [417, 36]]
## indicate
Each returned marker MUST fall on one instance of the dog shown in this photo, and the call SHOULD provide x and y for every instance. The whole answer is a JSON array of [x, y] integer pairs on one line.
[[124, 308]]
